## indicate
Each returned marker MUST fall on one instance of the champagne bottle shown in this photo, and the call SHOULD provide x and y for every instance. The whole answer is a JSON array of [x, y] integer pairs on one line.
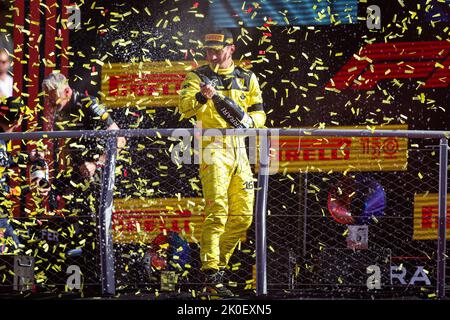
[[232, 112]]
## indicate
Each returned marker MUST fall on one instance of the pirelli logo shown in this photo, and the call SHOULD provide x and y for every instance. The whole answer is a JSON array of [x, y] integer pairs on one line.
[[427, 61], [163, 84], [153, 84], [141, 220], [215, 37], [426, 214], [313, 153], [150, 84]]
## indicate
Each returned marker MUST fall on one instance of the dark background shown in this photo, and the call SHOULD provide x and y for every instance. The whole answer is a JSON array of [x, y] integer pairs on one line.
[[323, 42], [100, 28], [316, 106]]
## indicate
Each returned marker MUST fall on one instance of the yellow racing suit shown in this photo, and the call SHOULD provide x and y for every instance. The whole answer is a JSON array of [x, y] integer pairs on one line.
[[226, 176]]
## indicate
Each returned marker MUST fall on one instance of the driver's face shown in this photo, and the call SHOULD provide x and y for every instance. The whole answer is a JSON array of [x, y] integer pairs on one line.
[[221, 57]]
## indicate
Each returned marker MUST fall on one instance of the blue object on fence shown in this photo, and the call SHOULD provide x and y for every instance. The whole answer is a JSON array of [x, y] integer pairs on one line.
[[356, 201], [374, 198], [180, 248]]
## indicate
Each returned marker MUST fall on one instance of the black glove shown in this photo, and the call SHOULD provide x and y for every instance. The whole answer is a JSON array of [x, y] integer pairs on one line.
[[232, 112]]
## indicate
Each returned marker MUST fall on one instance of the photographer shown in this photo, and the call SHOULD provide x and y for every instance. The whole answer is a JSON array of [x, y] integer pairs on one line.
[[76, 111], [81, 160], [11, 118]]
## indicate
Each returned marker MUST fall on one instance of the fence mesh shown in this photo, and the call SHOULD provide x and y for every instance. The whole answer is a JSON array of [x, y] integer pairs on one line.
[[159, 210], [356, 233], [58, 230], [346, 232]]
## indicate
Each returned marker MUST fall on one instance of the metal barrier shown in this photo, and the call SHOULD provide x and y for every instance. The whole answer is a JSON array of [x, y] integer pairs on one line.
[[300, 247]]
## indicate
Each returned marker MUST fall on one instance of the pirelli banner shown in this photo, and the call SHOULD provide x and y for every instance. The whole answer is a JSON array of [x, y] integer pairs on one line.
[[314, 153], [426, 213], [141, 220], [146, 84]]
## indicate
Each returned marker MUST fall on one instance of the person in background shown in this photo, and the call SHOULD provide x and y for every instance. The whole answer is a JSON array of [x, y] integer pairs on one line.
[[78, 181], [11, 117], [76, 111], [6, 81]]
